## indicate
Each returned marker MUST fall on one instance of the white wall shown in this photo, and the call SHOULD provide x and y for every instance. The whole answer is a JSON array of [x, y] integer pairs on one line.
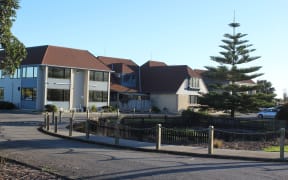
[[162, 101], [183, 94], [12, 93]]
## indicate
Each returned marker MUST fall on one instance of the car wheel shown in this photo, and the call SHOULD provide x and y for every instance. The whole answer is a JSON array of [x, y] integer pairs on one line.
[[260, 116]]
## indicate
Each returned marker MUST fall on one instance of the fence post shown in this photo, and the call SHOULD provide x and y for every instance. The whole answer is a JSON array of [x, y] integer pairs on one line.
[[53, 117], [158, 140], [87, 128], [60, 116], [210, 140], [282, 143], [116, 131], [134, 110], [48, 123], [70, 126], [55, 125], [45, 120], [73, 111], [118, 112], [87, 113]]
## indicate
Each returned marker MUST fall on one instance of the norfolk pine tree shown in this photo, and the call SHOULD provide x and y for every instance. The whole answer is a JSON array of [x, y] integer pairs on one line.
[[226, 93], [13, 50]]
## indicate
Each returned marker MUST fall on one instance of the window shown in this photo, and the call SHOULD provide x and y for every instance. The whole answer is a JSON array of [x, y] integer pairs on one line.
[[1, 74], [98, 76], [1, 94], [105, 76], [29, 71], [193, 99], [61, 73], [98, 96], [28, 94], [17, 74], [58, 94], [193, 82]]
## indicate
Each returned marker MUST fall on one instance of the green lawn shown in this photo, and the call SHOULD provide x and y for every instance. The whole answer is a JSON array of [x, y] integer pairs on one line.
[[275, 149]]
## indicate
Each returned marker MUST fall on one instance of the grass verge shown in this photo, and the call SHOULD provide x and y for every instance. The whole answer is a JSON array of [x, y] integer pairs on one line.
[[275, 149]]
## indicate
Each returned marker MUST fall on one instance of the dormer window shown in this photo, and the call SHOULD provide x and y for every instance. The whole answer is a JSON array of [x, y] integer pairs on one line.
[[193, 83]]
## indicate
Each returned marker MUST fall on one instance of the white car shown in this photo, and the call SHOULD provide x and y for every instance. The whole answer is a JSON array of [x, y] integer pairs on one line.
[[267, 113]]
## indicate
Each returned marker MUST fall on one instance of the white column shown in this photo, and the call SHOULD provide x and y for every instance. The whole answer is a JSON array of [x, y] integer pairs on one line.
[[71, 102], [86, 89], [108, 88], [45, 74]]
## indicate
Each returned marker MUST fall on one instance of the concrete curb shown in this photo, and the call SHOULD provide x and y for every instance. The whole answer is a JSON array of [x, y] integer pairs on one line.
[[165, 151]]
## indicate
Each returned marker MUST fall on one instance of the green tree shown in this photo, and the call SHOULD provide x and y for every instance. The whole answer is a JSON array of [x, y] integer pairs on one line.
[[265, 87], [14, 51], [265, 96], [227, 92]]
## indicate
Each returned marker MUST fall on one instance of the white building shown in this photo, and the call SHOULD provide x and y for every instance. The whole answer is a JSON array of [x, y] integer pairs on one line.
[[68, 78], [171, 88]]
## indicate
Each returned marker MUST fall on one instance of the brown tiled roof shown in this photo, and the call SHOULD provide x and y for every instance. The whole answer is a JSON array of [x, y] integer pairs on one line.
[[164, 79], [119, 65], [119, 88], [199, 71], [152, 63], [61, 56]]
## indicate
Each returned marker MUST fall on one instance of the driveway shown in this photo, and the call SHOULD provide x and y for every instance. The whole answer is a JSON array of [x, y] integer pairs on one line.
[[20, 140]]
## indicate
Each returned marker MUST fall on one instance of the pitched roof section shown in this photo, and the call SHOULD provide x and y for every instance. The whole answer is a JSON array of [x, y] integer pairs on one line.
[[64, 57], [164, 79], [119, 65], [154, 64]]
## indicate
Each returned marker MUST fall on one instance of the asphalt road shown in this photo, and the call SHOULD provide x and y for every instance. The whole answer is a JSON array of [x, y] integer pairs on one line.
[[20, 140]]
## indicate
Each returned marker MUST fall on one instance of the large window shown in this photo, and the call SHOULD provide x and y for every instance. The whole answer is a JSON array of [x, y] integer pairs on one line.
[[28, 94], [1, 94], [58, 94], [98, 96], [29, 71], [98, 76], [61, 73], [193, 99]]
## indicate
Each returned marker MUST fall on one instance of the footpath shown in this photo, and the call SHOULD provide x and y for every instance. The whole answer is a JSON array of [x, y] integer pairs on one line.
[[63, 132]]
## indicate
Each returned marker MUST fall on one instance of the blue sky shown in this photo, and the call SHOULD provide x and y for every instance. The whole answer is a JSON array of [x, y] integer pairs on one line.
[[177, 32]]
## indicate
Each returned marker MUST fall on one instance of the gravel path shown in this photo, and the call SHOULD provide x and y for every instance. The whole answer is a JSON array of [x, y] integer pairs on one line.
[[12, 170]]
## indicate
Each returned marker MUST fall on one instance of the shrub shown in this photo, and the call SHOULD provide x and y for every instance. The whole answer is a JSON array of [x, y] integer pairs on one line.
[[155, 109], [189, 114], [282, 113], [218, 143], [6, 105], [93, 108], [108, 108], [50, 108]]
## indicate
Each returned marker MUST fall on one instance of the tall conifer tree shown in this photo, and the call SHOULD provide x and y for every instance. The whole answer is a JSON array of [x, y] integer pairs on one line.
[[227, 93]]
